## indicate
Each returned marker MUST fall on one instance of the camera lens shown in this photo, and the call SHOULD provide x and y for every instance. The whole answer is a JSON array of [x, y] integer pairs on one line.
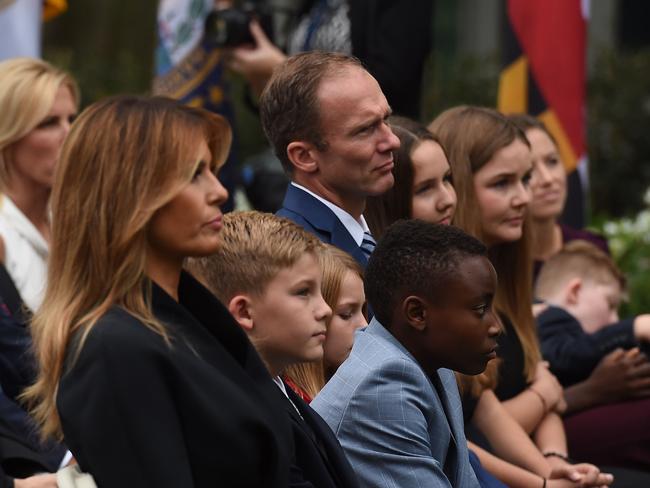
[[228, 27]]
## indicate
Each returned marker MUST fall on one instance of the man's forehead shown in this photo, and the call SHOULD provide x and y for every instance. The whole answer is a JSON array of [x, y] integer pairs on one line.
[[341, 79], [355, 95]]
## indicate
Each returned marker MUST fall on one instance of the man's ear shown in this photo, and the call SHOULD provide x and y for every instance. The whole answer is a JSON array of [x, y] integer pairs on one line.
[[415, 313], [572, 291], [303, 156], [240, 307]]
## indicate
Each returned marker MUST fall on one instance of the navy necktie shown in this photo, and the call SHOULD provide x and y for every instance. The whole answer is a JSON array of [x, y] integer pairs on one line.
[[368, 244]]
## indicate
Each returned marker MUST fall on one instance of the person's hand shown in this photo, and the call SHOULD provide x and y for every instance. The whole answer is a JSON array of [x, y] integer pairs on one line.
[[38, 481], [621, 375], [546, 384], [256, 63], [539, 308], [581, 475], [642, 327]]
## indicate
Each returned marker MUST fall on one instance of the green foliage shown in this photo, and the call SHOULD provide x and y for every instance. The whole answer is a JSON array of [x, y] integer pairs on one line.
[[466, 80], [618, 123], [107, 45], [619, 159], [629, 241]]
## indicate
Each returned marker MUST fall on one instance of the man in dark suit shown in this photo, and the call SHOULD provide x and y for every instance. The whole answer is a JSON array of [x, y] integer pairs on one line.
[[325, 116]]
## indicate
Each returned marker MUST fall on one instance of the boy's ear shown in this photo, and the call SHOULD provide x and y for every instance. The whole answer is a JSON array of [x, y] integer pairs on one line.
[[303, 156], [572, 291], [415, 312], [240, 308]]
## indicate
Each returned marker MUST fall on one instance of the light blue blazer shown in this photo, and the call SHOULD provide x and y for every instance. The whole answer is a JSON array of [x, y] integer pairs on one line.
[[399, 428]]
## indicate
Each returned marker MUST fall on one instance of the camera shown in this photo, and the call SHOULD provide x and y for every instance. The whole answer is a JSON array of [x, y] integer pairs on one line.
[[230, 27]]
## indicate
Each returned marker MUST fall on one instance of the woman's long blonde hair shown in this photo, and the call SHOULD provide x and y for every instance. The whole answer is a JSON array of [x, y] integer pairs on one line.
[[124, 159], [472, 136], [27, 91], [335, 264]]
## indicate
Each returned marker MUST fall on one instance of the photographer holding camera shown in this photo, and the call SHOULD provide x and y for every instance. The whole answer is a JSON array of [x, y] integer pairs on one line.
[[391, 38]]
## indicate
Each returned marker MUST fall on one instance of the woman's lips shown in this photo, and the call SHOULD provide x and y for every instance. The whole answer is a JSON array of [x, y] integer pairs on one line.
[[215, 223]]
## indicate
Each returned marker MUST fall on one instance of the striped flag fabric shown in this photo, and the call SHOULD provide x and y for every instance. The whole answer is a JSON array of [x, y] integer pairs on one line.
[[189, 69], [544, 75]]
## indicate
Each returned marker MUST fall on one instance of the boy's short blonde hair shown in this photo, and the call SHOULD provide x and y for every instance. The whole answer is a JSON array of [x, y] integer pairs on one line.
[[255, 247], [577, 259]]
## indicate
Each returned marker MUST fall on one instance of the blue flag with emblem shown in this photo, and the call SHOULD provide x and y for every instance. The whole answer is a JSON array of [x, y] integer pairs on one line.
[[189, 69]]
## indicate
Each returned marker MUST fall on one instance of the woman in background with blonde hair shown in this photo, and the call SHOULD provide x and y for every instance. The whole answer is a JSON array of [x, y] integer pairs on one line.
[[142, 370], [37, 103]]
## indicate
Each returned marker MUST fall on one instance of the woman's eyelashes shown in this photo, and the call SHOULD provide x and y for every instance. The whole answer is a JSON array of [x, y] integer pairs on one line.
[[203, 168], [424, 187], [53, 121], [552, 161], [504, 182], [200, 168], [501, 183]]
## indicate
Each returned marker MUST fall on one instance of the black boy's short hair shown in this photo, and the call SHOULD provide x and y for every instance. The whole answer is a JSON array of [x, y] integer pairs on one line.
[[414, 258]]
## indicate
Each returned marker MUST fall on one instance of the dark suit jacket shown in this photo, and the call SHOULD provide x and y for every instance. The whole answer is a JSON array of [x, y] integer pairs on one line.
[[200, 412], [320, 461], [308, 212], [16, 362], [21, 451], [570, 351]]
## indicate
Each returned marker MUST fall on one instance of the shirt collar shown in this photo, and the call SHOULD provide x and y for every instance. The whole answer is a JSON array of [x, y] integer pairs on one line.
[[356, 228]]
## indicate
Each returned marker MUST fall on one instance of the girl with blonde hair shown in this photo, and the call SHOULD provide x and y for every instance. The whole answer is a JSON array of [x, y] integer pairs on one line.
[[342, 289], [141, 369], [38, 103]]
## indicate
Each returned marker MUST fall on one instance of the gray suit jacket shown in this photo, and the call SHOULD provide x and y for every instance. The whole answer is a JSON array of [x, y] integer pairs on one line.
[[399, 428]]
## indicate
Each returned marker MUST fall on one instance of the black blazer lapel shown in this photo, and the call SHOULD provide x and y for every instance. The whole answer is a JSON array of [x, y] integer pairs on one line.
[[327, 444]]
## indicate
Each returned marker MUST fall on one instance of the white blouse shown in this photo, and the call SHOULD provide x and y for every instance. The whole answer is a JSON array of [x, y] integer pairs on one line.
[[26, 253]]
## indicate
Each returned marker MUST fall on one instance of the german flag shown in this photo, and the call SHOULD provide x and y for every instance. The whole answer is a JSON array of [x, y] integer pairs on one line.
[[544, 75]]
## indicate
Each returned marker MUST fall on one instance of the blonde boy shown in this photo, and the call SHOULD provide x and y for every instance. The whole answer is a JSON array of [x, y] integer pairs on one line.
[[267, 273], [583, 288]]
